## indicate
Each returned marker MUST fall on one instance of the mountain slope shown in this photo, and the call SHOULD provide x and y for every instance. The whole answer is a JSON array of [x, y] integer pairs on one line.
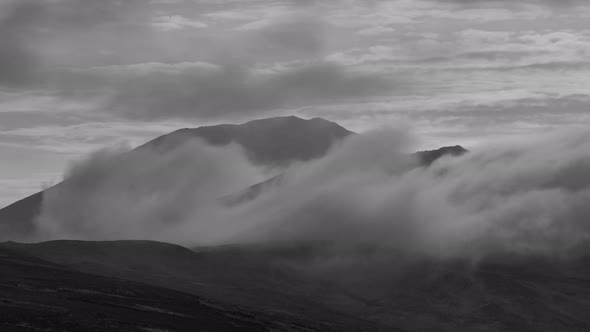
[[269, 142], [428, 157], [16, 220], [425, 158], [36, 295], [273, 142], [369, 291], [253, 279]]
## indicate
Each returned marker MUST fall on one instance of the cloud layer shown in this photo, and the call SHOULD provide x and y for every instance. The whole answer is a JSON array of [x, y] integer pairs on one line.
[[144, 194], [527, 198]]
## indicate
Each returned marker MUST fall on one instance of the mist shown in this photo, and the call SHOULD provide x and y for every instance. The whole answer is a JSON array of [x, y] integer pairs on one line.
[[526, 198], [143, 194]]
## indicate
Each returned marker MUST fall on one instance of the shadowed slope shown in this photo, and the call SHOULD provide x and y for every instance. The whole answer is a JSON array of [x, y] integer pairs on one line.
[[268, 142], [428, 157], [367, 291], [16, 220], [38, 295]]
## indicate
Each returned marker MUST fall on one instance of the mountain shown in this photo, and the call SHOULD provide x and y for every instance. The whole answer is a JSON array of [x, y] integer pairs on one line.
[[269, 142], [425, 158], [430, 156], [254, 279], [272, 142], [16, 220], [369, 291], [38, 295]]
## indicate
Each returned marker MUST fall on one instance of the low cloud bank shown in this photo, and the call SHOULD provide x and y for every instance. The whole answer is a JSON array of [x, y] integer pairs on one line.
[[144, 194], [527, 198]]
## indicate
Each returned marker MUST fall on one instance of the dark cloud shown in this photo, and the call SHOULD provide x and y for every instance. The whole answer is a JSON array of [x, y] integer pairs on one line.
[[47, 45], [17, 58], [200, 90]]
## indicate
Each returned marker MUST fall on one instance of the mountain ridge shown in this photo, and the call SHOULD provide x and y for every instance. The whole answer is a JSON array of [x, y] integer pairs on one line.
[[293, 138], [271, 142], [371, 291]]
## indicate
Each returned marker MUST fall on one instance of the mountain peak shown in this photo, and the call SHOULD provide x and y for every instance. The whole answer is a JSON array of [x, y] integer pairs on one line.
[[276, 141], [430, 156], [288, 121]]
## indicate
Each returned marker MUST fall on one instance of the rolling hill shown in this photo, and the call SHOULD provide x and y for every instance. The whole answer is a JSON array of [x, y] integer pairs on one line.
[[37, 295], [370, 291]]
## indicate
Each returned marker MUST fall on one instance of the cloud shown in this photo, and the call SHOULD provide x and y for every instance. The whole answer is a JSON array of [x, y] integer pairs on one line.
[[562, 3], [27, 26], [202, 90], [17, 59], [113, 194], [92, 52], [79, 138], [176, 22], [302, 32], [526, 198]]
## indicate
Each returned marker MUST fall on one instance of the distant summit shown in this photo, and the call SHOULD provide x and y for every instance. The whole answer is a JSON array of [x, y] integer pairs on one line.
[[425, 158], [275, 142], [430, 156], [271, 142]]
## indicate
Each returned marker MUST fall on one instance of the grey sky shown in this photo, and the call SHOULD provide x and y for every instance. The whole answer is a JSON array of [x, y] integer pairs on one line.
[[76, 75]]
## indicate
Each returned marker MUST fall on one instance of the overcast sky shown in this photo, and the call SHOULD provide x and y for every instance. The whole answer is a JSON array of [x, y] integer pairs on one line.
[[77, 75]]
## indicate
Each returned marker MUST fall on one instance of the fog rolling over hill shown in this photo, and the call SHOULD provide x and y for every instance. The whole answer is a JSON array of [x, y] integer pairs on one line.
[[37, 294], [272, 143], [180, 180], [259, 165], [366, 190]]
